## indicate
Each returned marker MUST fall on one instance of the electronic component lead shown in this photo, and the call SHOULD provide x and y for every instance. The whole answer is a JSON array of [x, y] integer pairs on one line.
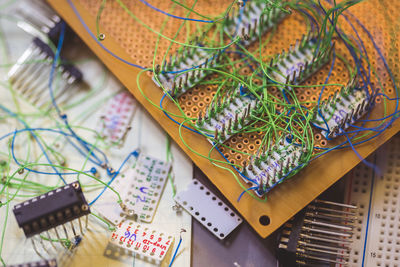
[[268, 168], [227, 115], [30, 75], [185, 69], [342, 109], [318, 234], [255, 17], [300, 62]]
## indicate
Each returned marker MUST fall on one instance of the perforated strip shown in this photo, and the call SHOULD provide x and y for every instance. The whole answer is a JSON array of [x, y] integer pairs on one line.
[[208, 209]]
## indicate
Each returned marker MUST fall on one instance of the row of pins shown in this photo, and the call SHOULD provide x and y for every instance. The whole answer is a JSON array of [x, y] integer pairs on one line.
[[319, 234], [344, 92], [31, 80], [354, 115]]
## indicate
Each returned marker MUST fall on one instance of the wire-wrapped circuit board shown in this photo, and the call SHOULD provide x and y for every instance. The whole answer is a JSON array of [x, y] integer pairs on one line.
[[273, 87]]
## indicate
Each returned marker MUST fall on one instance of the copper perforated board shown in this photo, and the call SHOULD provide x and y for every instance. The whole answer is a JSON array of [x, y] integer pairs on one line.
[[138, 46]]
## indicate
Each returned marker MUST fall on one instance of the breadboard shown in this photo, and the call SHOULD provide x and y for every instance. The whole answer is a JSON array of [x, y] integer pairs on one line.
[[130, 41], [376, 241]]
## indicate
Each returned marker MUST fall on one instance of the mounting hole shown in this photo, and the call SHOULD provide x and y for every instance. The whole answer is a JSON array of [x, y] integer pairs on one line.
[[265, 220]]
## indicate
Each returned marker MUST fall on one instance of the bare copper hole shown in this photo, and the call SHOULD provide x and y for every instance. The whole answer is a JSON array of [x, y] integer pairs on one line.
[[195, 98], [188, 113], [195, 109], [323, 143], [238, 157], [317, 137], [251, 147], [202, 94], [258, 142], [378, 100], [189, 103], [246, 141], [239, 146], [207, 99], [233, 140]]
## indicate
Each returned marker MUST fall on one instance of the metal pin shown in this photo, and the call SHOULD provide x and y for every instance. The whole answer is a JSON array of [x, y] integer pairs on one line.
[[51, 240], [35, 248], [323, 259], [44, 247], [73, 228], [65, 231], [244, 166], [80, 225], [287, 79], [223, 132], [321, 231], [229, 125], [186, 79], [332, 217], [329, 225], [86, 221], [351, 114], [339, 241], [294, 77], [318, 246]]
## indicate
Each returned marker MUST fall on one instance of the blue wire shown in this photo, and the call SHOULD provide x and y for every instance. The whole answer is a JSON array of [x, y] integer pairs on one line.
[[97, 41], [176, 251], [44, 152], [368, 217], [173, 16], [64, 117], [169, 117], [134, 153]]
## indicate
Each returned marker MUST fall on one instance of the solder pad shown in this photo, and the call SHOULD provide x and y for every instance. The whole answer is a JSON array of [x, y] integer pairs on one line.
[[134, 43]]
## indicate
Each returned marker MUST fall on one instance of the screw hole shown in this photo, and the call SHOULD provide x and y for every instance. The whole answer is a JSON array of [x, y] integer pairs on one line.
[[265, 220]]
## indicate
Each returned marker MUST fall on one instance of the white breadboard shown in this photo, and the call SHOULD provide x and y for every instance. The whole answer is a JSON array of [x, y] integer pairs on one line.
[[148, 182], [141, 240], [116, 118], [376, 240], [140, 188]]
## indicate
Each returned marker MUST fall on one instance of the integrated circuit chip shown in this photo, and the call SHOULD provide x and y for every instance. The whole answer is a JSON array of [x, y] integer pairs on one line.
[[52, 209]]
